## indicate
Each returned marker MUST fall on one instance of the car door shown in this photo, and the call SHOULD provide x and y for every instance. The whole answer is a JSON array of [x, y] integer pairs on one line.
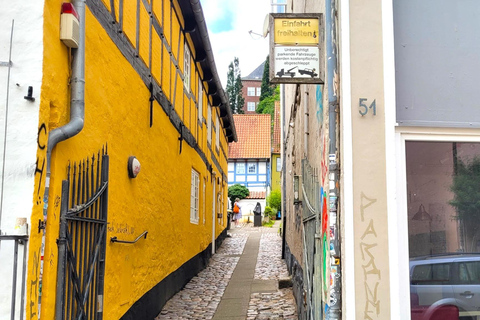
[[467, 286], [431, 283]]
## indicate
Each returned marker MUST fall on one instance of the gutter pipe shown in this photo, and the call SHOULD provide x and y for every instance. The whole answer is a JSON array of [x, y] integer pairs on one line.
[[202, 28], [331, 29], [77, 117]]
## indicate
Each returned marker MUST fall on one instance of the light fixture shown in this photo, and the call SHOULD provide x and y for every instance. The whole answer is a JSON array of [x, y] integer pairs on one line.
[[133, 167], [422, 214]]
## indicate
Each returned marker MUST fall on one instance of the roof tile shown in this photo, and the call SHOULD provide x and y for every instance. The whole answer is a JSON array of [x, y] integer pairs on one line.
[[254, 137]]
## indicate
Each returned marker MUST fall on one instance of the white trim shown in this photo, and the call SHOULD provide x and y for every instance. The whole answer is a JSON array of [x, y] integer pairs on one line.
[[348, 250], [399, 292]]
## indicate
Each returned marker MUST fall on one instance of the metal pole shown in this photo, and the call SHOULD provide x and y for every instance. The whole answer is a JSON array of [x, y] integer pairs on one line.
[[14, 280], [6, 124], [24, 272], [284, 181], [332, 73], [62, 254]]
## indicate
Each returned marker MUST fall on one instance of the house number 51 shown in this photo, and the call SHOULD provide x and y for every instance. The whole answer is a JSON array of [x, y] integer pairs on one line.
[[364, 108]]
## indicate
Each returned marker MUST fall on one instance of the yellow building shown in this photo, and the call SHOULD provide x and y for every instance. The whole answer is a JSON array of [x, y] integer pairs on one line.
[[276, 151], [141, 92]]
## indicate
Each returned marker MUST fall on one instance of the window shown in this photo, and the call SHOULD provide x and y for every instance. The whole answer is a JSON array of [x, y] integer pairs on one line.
[[200, 100], [194, 197], [250, 106], [217, 135], [186, 68], [279, 164], [240, 168], [259, 91], [251, 91], [209, 124], [431, 274], [252, 168]]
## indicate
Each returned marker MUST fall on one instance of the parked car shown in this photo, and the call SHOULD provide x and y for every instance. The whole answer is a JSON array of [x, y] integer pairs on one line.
[[446, 280]]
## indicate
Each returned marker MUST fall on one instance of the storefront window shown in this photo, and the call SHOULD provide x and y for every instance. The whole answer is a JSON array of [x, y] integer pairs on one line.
[[443, 198]]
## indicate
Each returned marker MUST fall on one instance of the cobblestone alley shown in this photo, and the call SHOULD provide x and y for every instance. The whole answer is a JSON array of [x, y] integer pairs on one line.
[[240, 282]]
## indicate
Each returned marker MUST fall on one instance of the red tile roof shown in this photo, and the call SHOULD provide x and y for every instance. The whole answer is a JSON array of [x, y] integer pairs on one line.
[[253, 132], [276, 128], [256, 195]]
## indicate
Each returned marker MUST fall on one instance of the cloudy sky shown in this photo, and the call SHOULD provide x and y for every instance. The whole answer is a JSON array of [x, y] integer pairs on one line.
[[229, 23]]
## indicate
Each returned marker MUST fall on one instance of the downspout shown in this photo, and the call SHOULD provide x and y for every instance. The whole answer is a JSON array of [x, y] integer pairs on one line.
[[284, 161], [77, 116], [332, 73], [214, 180]]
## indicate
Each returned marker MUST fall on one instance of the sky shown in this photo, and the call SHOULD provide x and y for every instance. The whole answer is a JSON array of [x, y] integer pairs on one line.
[[229, 23]]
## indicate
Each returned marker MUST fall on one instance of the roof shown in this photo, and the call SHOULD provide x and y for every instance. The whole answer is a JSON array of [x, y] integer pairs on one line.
[[256, 195], [276, 129], [254, 137], [196, 27], [256, 74]]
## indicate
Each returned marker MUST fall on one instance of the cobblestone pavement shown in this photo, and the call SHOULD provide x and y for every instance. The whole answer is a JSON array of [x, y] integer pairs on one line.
[[269, 262], [201, 296]]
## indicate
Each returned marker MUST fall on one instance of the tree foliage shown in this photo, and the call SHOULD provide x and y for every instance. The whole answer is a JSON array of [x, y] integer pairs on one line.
[[234, 87], [237, 191], [466, 188], [274, 200], [267, 105], [270, 93], [267, 88]]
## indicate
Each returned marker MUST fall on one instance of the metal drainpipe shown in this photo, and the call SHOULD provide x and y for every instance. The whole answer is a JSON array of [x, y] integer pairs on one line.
[[331, 30], [77, 116], [214, 180], [284, 161]]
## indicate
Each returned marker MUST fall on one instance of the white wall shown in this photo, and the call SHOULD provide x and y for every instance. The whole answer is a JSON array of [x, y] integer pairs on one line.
[[22, 126]]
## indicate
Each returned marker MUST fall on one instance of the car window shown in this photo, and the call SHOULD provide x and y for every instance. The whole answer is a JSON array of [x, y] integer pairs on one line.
[[469, 272], [431, 274]]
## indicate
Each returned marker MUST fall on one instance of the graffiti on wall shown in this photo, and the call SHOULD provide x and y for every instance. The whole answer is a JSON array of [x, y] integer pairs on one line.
[[36, 247], [319, 102], [371, 274]]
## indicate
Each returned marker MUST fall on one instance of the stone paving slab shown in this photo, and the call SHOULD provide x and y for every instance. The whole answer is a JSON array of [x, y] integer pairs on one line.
[[233, 291]]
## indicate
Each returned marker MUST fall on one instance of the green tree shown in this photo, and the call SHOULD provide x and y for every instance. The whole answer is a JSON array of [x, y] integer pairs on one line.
[[237, 191], [267, 105], [274, 200], [466, 201], [234, 87], [270, 93], [267, 88]]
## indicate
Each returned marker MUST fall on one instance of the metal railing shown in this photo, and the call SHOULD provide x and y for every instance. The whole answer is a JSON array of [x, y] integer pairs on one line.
[[19, 240]]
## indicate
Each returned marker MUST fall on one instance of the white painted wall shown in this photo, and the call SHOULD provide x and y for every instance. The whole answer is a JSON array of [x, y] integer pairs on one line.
[[22, 129], [248, 205]]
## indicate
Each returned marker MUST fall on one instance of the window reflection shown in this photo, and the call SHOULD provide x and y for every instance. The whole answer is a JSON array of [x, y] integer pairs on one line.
[[443, 201]]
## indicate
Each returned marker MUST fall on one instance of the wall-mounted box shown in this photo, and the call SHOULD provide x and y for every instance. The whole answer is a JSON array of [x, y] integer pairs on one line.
[[69, 26]]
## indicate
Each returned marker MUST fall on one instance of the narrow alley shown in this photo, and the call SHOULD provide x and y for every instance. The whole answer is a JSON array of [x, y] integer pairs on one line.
[[240, 282]]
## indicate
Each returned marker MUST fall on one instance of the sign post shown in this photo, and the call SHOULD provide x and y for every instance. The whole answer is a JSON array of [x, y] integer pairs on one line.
[[296, 48]]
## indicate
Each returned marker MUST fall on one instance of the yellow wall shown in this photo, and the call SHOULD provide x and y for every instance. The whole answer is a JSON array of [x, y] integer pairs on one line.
[[276, 181], [117, 114]]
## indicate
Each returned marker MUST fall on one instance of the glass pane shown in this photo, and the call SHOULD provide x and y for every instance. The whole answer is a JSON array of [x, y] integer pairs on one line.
[[443, 203]]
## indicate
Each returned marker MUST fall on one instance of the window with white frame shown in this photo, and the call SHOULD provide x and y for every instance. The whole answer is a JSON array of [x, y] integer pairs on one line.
[[250, 106], [279, 164], [200, 100], [194, 197], [209, 124], [240, 168], [217, 133], [252, 168], [259, 91], [186, 68], [251, 91]]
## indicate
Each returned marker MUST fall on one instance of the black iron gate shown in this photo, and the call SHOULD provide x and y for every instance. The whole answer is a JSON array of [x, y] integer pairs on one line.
[[82, 240]]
